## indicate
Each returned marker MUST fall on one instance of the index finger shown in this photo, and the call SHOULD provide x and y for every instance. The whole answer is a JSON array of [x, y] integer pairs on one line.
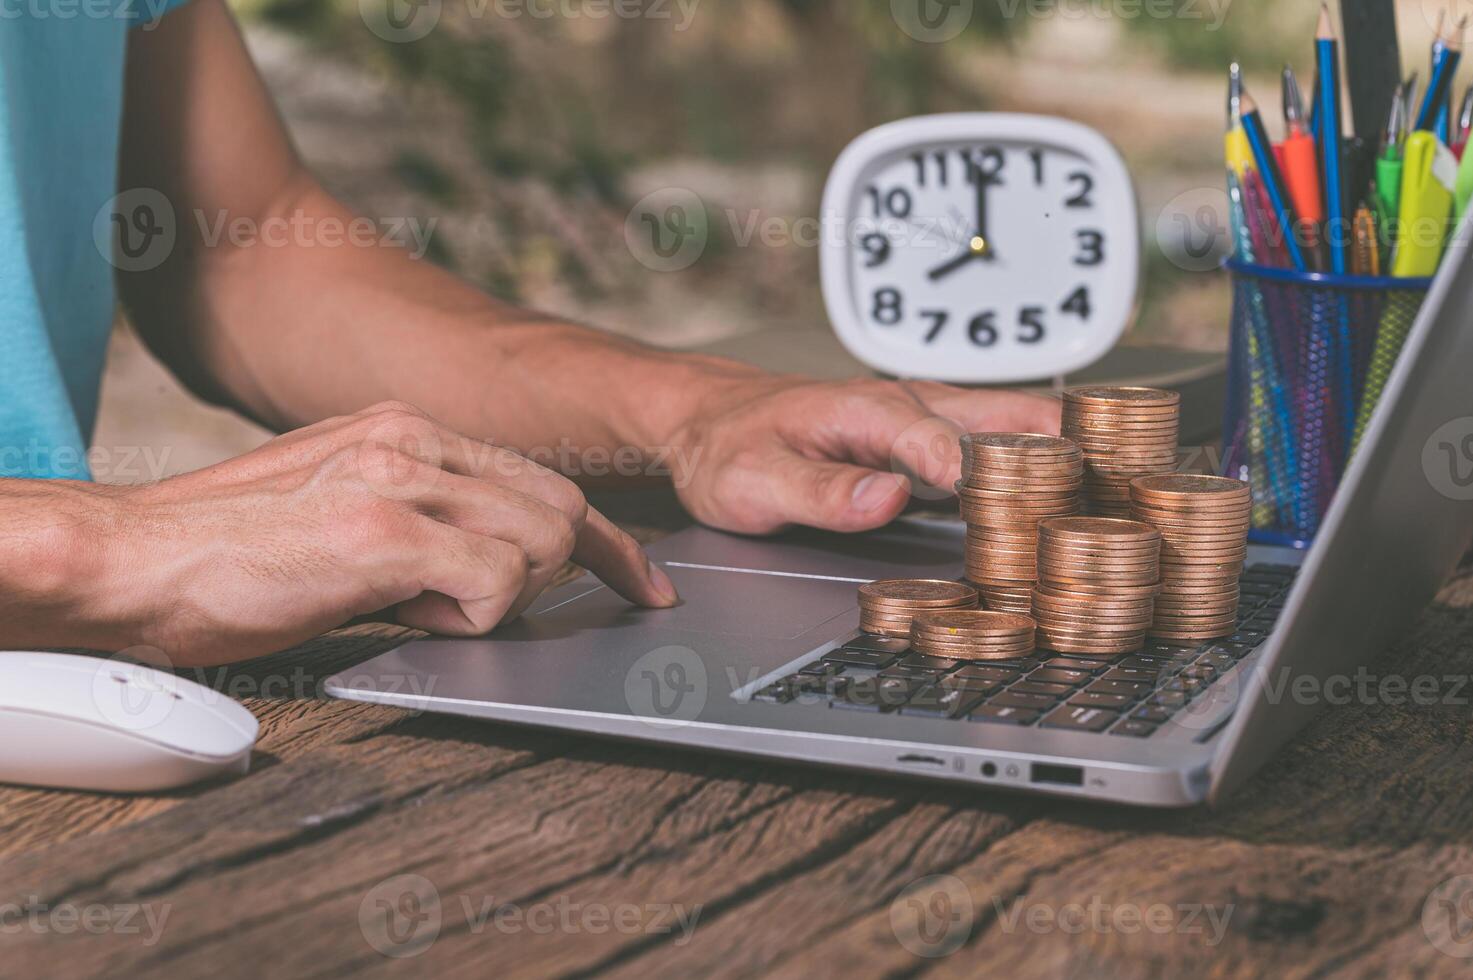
[[620, 563]]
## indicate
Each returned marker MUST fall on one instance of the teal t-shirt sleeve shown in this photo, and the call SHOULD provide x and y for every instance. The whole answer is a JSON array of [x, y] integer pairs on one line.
[[146, 12]]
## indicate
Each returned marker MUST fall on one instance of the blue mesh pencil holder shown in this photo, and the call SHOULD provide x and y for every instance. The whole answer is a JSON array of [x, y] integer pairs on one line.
[[1309, 356]]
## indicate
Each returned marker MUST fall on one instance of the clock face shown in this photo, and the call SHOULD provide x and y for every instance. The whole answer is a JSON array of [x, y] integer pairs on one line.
[[981, 247]]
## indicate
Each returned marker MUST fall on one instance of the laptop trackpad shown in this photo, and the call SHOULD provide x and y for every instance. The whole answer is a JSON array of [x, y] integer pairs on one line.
[[714, 602]]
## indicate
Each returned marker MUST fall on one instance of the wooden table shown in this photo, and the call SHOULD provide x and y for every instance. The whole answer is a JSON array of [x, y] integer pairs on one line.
[[554, 855]]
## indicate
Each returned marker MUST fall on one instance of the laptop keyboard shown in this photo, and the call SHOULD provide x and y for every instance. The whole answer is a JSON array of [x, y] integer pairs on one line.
[[1129, 696]]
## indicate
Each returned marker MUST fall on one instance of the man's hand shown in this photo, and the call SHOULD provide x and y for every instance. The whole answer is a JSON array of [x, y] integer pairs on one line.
[[382, 510], [775, 451]]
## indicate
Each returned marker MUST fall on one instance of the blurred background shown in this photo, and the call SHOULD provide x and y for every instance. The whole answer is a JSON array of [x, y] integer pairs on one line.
[[525, 130]]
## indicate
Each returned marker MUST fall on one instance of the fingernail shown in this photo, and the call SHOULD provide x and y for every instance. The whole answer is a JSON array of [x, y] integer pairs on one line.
[[874, 491], [662, 583]]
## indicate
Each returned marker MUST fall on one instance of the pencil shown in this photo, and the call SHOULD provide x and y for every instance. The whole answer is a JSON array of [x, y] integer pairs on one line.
[[1446, 52], [1328, 64], [1273, 180], [1364, 260]]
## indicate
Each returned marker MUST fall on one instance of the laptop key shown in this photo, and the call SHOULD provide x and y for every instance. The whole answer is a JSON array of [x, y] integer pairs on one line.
[[774, 693], [1077, 663], [1078, 719], [996, 675], [939, 702], [1133, 674], [1094, 699], [1199, 671], [1058, 675], [1035, 702], [821, 668], [860, 658], [1031, 686], [922, 662], [952, 682], [1167, 699], [1004, 714], [877, 644], [1134, 727], [1153, 713], [1133, 689], [1217, 661], [872, 694], [913, 673], [1235, 650]]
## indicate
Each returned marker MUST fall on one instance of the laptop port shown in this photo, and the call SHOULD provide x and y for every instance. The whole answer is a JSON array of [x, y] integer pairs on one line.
[[922, 760], [1041, 772]]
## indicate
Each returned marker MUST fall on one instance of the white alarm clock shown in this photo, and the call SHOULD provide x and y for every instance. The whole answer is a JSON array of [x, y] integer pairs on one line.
[[980, 247]]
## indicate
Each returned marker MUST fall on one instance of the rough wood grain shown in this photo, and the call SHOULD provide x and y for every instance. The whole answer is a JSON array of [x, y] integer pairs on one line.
[[1323, 865]]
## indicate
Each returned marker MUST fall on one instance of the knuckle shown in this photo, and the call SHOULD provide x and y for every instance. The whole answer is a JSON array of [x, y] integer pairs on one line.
[[564, 495], [564, 538], [510, 566], [395, 408]]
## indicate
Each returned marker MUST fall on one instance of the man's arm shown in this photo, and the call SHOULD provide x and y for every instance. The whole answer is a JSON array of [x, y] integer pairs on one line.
[[295, 332]]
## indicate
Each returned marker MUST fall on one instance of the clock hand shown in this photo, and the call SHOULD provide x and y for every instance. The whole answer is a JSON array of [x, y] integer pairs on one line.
[[953, 264], [982, 243]]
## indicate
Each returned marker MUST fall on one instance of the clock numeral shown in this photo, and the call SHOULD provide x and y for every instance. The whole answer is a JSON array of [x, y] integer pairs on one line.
[[941, 167], [896, 202], [985, 164], [1077, 303], [982, 331], [888, 306], [876, 249], [1091, 247], [1037, 157], [1030, 325], [1085, 183], [938, 320]]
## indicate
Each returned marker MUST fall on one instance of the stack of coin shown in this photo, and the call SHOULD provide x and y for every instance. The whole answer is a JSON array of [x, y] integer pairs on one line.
[[1011, 481], [1097, 583], [1203, 522], [1125, 433], [972, 635], [886, 606]]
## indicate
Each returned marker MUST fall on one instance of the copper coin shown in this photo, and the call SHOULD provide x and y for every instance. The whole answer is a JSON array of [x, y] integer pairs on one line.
[[918, 592], [1192, 485], [1128, 395], [973, 619], [1028, 442], [1098, 530]]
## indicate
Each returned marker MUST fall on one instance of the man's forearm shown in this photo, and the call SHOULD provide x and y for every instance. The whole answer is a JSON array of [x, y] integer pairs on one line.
[[343, 325], [58, 566]]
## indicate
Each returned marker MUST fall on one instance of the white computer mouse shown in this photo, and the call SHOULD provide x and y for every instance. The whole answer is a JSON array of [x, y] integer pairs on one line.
[[114, 726]]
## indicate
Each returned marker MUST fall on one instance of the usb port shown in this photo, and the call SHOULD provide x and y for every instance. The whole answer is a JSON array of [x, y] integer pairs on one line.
[[1063, 775]]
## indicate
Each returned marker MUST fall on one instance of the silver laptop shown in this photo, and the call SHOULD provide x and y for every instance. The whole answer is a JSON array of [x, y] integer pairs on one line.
[[764, 657]]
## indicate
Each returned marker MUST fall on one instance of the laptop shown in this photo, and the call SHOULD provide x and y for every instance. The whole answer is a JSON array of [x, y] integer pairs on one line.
[[764, 657]]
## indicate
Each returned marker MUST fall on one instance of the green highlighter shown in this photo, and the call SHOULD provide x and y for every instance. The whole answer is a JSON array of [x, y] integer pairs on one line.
[[1388, 166], [1463, 187]]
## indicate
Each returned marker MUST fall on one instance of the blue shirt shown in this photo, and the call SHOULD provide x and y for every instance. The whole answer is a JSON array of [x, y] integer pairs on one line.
[[61, 94]]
